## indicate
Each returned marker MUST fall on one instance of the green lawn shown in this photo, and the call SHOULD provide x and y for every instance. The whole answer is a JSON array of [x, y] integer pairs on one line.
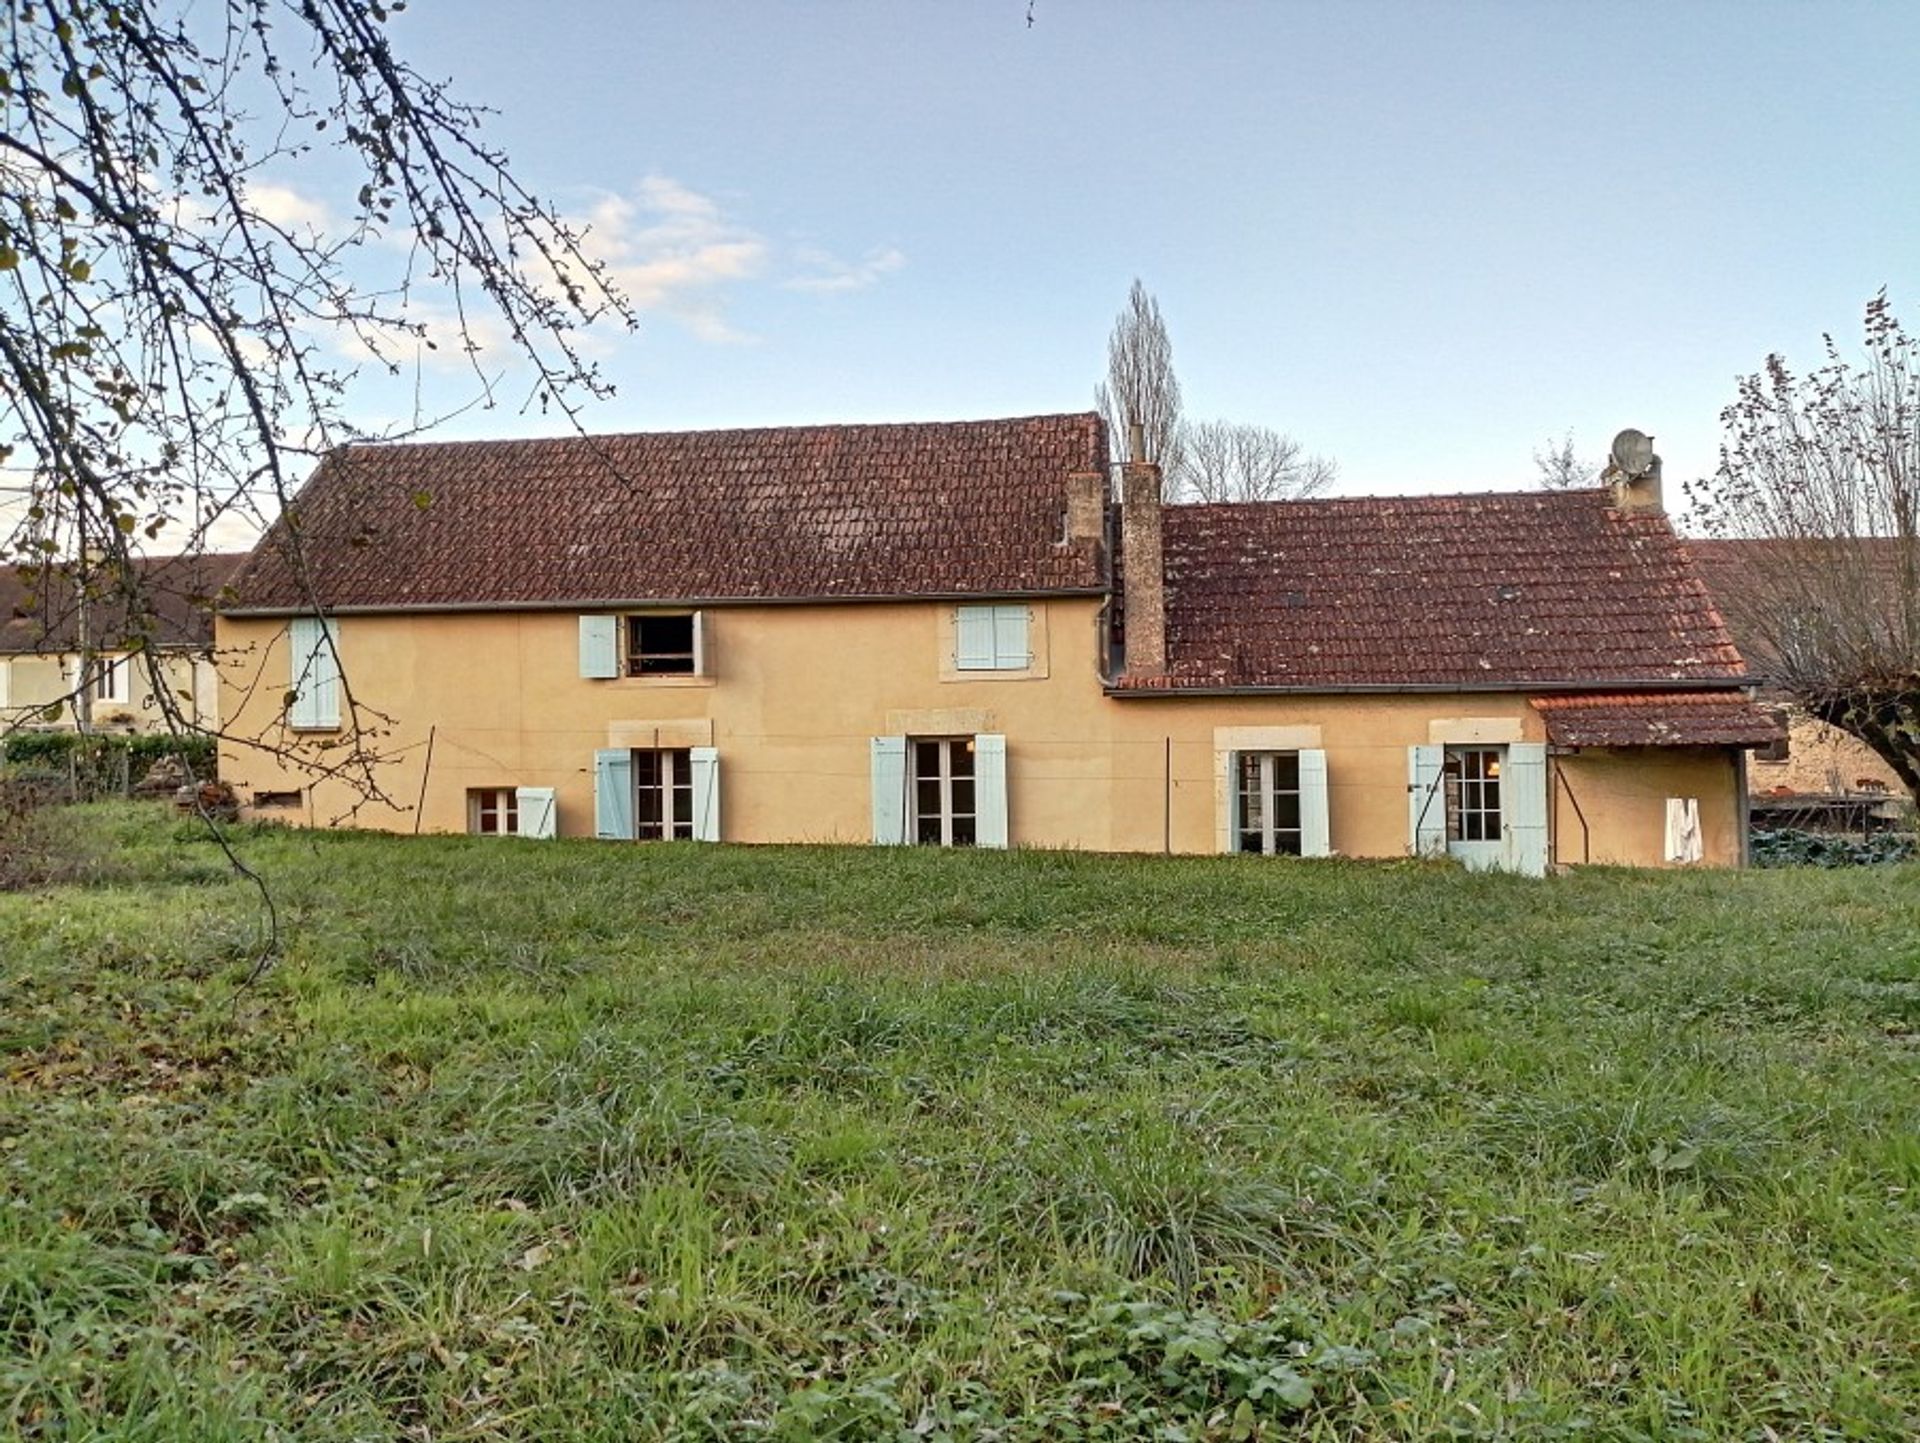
[[571, 1140]]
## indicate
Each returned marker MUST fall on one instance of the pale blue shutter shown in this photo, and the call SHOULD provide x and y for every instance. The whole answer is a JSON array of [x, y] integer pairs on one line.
[[537, 812], [1523, 798], [889, 790], [599, 647], [1427, 801], [1010, 649], [613, 795], [973, 631], [315, 680], [1316, 838], [706, 793], [699, 643], [989, 790]]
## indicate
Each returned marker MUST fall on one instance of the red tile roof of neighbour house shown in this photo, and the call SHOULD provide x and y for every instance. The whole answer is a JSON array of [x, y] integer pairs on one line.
[[1505, 590], [1754, 578], [40, 607], [964, 508], [1656, 719]]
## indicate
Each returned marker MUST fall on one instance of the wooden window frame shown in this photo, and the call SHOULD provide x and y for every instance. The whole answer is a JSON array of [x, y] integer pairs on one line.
[[1257, 778], [668, 791], [1472, 784], [501, 805], [952, 826], [639, 661]]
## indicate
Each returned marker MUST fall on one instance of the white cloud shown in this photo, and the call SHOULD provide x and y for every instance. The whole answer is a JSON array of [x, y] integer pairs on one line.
[[287, 208], [673, 250], [677, 252], [826, 274]]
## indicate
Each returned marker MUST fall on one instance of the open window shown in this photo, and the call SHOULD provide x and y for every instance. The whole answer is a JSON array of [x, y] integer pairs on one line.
[[643, 644], [1279, 803]]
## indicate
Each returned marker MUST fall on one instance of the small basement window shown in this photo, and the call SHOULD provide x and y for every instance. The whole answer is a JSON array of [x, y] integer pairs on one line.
[[662, 645], [493, 812], [277, 799]]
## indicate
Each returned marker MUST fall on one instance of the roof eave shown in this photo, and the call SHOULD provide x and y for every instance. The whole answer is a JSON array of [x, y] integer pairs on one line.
[[578, 604]]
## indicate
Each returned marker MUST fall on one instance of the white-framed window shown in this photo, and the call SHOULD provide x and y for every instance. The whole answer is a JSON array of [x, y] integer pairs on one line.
[[658, 794], [663, 794], [109, 679], [942, 791], [493, 811], [1267, 797], [992, 638], [1473, 793]]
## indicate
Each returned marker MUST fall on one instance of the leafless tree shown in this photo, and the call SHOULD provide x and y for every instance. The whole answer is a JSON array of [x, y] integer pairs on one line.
[[1234, 461], [1562, 468], [1141, 388], [1827, 466], [178, 330]]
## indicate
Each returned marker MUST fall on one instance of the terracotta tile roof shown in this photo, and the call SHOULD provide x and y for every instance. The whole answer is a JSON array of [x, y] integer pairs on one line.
[[1656, 719], [1500, 590], [1756, 580], [975, 507], [40, 607]]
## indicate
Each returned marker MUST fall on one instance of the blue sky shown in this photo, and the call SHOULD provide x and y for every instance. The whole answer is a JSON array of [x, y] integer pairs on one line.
[[1421, 238]]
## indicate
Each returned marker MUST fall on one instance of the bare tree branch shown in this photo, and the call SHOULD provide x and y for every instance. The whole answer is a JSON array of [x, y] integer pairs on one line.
[[1827, 466]]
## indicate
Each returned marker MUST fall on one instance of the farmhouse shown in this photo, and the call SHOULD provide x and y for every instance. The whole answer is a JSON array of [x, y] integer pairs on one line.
[[66, 646], [956, 634]]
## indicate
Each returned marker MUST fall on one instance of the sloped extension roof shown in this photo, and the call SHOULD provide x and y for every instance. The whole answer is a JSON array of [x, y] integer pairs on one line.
[[40, 607], [966, 508], [1505, 590], [1656, 719]]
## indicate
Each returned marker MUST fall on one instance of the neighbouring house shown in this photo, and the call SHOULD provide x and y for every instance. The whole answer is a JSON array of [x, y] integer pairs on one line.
[[955, 634], [49, 622], [1811, 759]]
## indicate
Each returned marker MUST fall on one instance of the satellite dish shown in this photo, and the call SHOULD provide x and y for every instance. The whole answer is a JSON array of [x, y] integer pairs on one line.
[[1633, 452]]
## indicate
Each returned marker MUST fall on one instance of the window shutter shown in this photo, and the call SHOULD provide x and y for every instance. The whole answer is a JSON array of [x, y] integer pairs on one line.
[[706, 787], [1230, 814], [700, 645], [1316, 838], [613, 795], [989, 790], [537, 812], [973, 631], [315, 681], [1010, 649], [1426, 801], [1523, 795], [889, 790], [599, 647]]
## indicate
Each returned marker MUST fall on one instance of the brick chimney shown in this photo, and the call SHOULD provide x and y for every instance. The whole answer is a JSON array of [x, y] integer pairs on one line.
[[1145, 578]]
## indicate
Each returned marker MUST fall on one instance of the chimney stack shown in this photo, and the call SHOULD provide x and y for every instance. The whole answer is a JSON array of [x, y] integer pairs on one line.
[[1086, 506], [1145, 580], [1633, 473]]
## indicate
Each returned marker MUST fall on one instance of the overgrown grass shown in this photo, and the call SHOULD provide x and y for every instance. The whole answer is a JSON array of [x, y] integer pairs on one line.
[[572, 1140]]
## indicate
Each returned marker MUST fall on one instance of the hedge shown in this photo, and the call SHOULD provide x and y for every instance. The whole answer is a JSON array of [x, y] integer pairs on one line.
[[59, 749]]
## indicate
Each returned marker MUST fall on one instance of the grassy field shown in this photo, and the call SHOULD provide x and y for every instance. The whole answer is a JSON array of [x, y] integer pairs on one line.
[[580, 1141]]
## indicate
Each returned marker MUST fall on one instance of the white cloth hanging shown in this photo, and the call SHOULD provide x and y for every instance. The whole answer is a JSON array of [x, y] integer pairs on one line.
[[1683, 830]]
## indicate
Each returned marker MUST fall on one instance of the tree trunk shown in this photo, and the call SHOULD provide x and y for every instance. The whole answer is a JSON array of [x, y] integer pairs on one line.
[[1890, 725]]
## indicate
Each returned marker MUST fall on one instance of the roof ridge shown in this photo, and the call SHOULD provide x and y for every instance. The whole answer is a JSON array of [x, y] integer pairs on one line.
[[598, 438]]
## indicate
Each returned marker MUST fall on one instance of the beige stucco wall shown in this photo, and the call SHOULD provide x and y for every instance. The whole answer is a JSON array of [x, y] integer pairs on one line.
[[33, 684], [797, 692]]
